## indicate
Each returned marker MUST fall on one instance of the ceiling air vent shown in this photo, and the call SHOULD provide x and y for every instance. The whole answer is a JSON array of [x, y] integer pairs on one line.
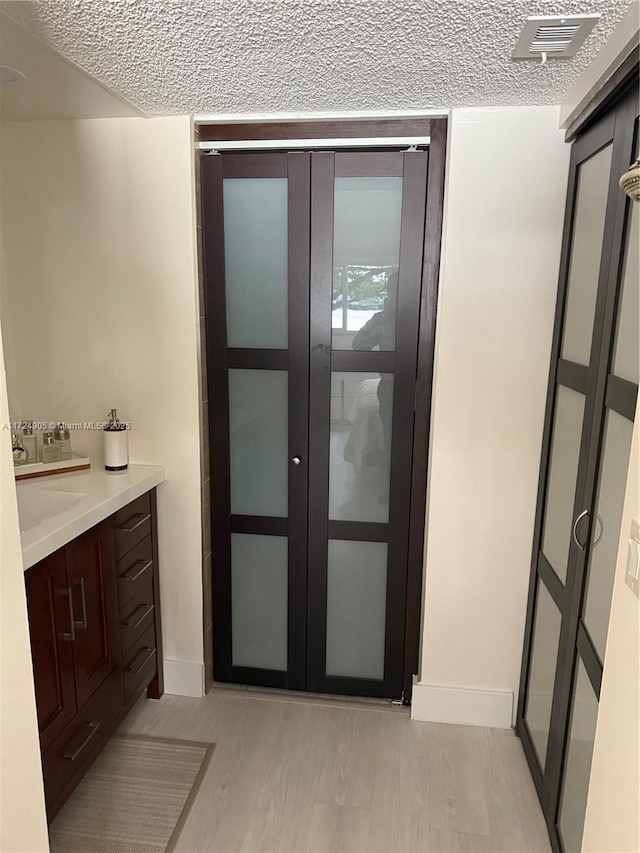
[[554, 37]]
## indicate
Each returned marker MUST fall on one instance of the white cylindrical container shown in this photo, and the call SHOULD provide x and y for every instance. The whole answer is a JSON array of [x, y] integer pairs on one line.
[[116, 449]]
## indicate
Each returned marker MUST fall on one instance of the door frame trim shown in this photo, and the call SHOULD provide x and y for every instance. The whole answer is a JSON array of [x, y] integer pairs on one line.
[[423, 400], [314, 129]]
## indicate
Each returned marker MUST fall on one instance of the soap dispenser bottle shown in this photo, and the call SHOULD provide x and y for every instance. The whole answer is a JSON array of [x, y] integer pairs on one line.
[[49, 451], [29, 442], [116, 446]]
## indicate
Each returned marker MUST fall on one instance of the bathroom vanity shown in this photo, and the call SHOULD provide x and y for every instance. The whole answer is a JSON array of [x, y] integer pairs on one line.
[[90, 548]]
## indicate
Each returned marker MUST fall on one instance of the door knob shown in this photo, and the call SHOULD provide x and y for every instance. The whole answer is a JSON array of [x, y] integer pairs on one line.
[[295, 460]]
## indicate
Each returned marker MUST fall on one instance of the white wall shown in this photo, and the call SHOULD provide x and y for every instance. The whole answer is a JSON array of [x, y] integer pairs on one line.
[[23, 823], [612, 823], [504, 207], [99, 309]]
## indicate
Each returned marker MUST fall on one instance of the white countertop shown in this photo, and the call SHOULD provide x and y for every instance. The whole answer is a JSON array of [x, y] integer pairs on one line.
[[54, 510]]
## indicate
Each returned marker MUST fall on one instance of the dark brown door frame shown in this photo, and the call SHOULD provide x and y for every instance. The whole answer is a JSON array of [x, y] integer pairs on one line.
[[423, 398], [436, 129], [314, 130]]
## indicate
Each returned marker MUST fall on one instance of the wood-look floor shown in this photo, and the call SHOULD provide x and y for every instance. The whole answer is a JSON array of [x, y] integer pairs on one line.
[[315, 776]]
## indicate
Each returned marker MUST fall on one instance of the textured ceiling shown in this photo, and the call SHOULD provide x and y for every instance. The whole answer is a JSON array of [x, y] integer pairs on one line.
[[267, 56]]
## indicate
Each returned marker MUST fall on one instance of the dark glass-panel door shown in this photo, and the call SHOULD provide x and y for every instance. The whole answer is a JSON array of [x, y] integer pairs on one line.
[[256, 210], [367, 231], [561, 503], [591, 406], [616, 398]]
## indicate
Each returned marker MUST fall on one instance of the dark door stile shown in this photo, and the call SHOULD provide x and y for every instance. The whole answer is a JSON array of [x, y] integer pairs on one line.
[[602, 392], [309, 361]]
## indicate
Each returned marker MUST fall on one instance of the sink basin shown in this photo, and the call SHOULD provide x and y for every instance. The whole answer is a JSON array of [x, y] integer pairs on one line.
[[34, 505]]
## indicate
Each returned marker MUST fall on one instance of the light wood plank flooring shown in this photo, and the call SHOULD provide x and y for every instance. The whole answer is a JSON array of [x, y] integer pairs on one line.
[[310, 775]]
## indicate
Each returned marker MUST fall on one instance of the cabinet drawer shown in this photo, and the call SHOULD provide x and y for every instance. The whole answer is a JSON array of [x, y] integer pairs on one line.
[[137, 615], [132, 523], [71, 753], [139, 664], [135, 570]]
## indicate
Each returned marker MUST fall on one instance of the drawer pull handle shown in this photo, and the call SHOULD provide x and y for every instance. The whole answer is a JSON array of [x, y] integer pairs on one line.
[[131, 576], [149, 654], [125, 528], [133, 625], [70, 636], [72, 755]]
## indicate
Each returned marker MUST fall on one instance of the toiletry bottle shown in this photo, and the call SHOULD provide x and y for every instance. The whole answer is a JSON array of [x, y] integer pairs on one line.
[[49, 452], [19, 453], [62, 439], [29, 441], [116, 447]]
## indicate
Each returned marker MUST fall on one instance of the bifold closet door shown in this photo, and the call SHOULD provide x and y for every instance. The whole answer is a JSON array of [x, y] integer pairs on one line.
[[607, 468], [590, 410], [256, 210], [313, 273], [561, 503]]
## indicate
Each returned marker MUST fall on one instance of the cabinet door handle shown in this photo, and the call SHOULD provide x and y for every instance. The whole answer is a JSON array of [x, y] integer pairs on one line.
[[133, 625], [130, 575], [71, 754], [83, 599], [127, 527], [70, 636], [149, 654]]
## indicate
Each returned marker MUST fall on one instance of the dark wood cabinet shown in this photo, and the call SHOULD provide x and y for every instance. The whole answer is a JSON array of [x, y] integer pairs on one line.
[[94, 620], [90, 570], [52, 629]]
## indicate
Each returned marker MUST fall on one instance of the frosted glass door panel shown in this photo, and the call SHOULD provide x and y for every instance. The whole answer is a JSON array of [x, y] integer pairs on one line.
[[360, 446], [258, 413], [356, 608], [366, 255], [259, 601], [577, 771], [626, 360], [614, 467], [563, 472], [586, 250], [256, 261], [546, 638]]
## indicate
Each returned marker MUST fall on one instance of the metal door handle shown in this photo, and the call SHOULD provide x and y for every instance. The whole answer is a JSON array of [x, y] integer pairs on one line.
[[83, 598], [70, 636], [575, 527], [295, 460]]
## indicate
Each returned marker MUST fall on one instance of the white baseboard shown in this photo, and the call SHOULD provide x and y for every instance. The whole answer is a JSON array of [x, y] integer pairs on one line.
[[462, 706], [183, 677]]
